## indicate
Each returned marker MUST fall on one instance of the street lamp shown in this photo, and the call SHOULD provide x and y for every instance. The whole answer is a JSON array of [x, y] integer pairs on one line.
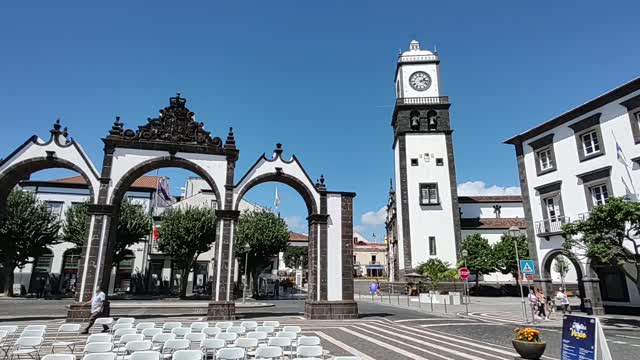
[[514, 231], [247, 248], [465, 253]]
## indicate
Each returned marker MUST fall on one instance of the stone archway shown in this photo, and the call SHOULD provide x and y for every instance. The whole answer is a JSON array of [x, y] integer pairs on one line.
[[546, 272]]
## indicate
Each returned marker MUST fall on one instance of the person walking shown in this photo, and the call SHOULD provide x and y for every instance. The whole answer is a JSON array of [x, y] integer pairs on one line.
[[563, 299], [98, 303], [551, 307], [533, 303], [541, 305]]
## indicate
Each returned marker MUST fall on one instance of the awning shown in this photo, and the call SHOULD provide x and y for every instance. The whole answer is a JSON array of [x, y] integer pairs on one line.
[[375, 266]]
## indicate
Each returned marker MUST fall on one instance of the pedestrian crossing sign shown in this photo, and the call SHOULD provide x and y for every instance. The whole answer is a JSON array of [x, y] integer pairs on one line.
[[527, 267]]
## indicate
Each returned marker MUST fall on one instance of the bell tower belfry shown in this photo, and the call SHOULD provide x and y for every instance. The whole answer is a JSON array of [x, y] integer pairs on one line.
[[428, 220]]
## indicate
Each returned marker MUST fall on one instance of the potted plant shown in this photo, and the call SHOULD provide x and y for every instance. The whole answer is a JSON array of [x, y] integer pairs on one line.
[[528, 344]]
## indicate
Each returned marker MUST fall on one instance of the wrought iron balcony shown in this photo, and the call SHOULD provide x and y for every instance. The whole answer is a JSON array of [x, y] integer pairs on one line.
[[550, 227], [429, 100], [583, 216]]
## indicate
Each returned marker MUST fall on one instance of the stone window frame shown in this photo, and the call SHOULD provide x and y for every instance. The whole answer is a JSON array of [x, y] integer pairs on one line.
[[601, 176], [433, 251], [583, 127], [422, 185], [633, 109], [544, 143], [547, 191]]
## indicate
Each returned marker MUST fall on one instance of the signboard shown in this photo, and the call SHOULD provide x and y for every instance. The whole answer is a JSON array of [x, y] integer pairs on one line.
[[527, 267], [583, 339], [464, 273]]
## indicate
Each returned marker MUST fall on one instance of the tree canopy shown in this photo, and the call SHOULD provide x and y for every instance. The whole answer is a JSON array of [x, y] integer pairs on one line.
[[505, 253], [436, 271], [184, 235], [480, 259], [133, 226], [610, 235], [26, 231], [265, 232], [296, 256]]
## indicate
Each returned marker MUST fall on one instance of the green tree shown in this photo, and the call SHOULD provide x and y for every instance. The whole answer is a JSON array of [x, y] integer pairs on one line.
[[505, 254], [610, 235], [184, 235], [480, 259], [436, 271], [267, 235], [561, 266], [296, 256], [134, 225], [26, 230]]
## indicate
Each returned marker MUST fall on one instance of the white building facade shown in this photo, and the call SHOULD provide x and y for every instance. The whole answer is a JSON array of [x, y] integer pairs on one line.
[[567, 166]]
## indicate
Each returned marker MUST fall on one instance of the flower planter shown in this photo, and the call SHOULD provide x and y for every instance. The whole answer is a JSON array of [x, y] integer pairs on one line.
[[529, 350]]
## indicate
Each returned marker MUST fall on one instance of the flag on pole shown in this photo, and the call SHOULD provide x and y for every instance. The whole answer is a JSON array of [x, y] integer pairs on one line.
[[620, 154], [276, 202], [156, 234], [163, 188]]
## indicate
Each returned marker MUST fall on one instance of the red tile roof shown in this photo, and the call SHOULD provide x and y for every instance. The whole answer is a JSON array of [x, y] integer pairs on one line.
[[489, 199], [297, 237], [146, 182], [492, 223]]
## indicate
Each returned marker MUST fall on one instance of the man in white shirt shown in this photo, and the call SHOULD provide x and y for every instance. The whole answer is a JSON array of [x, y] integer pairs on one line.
[[533, 304], [563, 299], [97, 309]]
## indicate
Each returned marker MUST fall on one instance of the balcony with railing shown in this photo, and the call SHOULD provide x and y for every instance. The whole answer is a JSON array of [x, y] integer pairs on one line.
[[553, 226], [428, 100]]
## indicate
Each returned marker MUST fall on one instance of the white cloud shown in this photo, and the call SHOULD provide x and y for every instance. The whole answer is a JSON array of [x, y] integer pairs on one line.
[[374, 217], [471, 188], [296, 223]]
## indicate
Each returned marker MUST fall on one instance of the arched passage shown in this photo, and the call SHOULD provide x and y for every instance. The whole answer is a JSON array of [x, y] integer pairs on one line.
[[547, 263], [295, 183]]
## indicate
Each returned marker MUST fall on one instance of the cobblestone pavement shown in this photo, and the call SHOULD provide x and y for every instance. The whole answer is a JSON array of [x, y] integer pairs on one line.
[[386, 332]]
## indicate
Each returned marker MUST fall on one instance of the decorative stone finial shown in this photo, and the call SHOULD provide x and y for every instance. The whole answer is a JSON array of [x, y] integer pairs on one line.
[[320, 185], [177, 101], [278, 151], [230, 143], [117, 128], [414, 45], [56, 128], [65, 132], [391, 190]]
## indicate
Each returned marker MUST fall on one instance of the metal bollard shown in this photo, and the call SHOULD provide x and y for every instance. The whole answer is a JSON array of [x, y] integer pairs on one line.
[[419, 301], [444, 299], [431, 297]]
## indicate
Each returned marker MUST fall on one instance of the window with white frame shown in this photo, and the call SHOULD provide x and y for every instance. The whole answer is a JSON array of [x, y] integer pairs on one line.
[[545, 159], [599, 194], [552, 205], [55, 208], [590, 142], [429, 194]]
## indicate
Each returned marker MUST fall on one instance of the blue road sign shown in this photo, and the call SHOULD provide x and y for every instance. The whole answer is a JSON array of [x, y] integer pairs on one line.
[[527, 267]]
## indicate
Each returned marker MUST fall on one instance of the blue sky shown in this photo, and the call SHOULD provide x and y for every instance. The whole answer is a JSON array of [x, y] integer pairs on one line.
[[315, 76]]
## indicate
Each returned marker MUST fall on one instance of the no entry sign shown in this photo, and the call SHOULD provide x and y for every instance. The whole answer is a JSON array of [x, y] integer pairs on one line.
[[464, 273]]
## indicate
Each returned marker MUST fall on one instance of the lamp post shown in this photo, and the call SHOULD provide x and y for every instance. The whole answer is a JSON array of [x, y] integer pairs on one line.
[[465, 253], [514, 231], [247, 248]]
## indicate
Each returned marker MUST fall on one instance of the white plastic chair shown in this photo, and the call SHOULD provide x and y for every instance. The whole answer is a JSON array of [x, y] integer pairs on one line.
[[282, 342], [168, 326], [224, 324], [211, 331], [158, 340], [66, 330], [274, 323], [133, 347], [125, 320], [117, 327], [150, 333], [195, 338], [36, 327], [346, 358], [289, 334], [187, 355], [145, 355], [260, 335], [211, 346], [59, 357], [145, 325], [308, 341], [291, 328], [171, 346], [100, 338], [104, 321], [249, 325], [228, 337], [230, 354], [126, 339], [117, 336], [309, 352], [268, 329], [6, 341], [181, 332], [197, 327], [269, 352], [100, 356], [247, 344], [237, 329], [29, 346], [32, 333], [97, 347]]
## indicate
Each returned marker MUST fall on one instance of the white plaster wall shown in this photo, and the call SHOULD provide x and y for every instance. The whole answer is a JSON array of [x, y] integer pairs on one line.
[[399, 189], [334, 247], [430, 220], [614, 125], [485, 210], [127, 159], [405, 72]]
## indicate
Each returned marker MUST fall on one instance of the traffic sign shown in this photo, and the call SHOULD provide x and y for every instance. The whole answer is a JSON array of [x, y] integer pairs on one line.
[[527, 267], [464, 273]]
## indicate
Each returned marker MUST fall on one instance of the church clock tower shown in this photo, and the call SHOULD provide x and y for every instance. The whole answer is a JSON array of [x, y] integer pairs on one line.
[[428, 219]]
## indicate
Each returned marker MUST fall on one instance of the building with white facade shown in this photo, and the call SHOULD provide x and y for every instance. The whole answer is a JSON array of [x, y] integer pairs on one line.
[[568, 165], [369, 257]]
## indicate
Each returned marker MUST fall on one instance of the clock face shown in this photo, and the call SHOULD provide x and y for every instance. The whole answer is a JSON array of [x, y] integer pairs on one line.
[[420, 81]]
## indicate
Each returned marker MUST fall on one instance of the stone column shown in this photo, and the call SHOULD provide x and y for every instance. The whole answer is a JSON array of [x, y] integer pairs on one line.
[[95, 263], [592, 292], [222, 306]]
